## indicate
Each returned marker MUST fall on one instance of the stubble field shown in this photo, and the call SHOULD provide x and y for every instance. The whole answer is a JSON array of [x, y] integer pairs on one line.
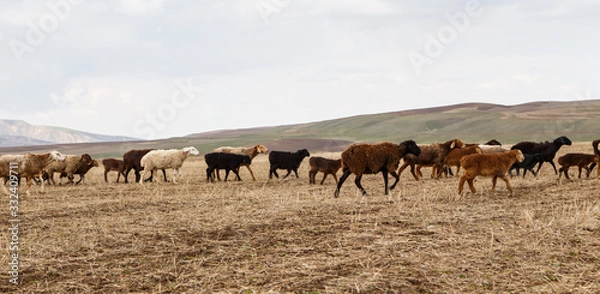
[[286, 236]]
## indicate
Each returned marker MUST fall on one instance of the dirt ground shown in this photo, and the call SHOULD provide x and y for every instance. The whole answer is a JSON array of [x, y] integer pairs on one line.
[[286, 236]]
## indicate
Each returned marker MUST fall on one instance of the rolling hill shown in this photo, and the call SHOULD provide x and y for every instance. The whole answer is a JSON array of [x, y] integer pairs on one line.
[[20, 133], [471, 122]]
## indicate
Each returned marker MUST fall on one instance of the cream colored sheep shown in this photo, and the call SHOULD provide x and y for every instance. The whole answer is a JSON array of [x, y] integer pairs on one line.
[[29, 166], [163, 159]]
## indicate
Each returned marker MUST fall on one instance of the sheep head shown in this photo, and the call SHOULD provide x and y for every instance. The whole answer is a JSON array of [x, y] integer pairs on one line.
[[260, 148], [191, 151], [409, 147], [519, 155], [57, 156], [562, 140]]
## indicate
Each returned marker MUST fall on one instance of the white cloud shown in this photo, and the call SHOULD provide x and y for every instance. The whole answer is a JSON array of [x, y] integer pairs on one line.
[[139, 7]]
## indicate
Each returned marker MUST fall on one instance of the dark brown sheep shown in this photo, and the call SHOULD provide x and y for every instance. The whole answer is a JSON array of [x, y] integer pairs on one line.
[[581, 160], [384, 157], [132, 159], [431, 155], [113, 164], [324, 165], [493, 165]]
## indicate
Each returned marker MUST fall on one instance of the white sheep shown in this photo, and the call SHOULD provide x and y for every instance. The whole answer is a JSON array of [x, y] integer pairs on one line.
[[487, 149], [163, 159]]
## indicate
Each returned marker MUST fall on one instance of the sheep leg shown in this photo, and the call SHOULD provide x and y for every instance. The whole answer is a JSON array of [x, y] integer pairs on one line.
[[296, 173], [553, 166], [105, 175], [335, 177], [127, 170], [209, 175], [237, 174], [412, 171], [251, 173], [539, 166], [508, 186], [273, 171], [311, 179], [494, 180], [175, 171], [360, 187], [343, 178], [324, 176], [142, 176], [289, 171], [397, 177], [385, 182], [461, 183], [216, 172], [402, 168]]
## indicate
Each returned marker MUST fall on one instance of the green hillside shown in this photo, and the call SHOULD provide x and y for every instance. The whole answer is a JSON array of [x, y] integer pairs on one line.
[[471, 122]]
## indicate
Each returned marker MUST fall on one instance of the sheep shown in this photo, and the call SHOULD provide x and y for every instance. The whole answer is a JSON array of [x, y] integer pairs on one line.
[[69, 166], [595, 144], [580, 160], [488, 149], [227, 161], [431, 155], [252, 152], [548, 149], [529, 162], [493, 165], [362, 158], [454, 156], [163, 159], [113, 164], [324, 165], [131, 160], [81, 171], [28, 165], [286, 160]]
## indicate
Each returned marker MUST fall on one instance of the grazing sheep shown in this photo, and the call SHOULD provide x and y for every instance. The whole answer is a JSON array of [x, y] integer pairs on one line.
[[68, 166], [29, 166], [131, 160], [81, 171], [359, 159], [529, 162], [548, 149], [581, 160], [454, 156], [163, 159], [113, 164], [431, 155], [286, 160], [493, 165], [324, 165], [252, 152], [227, 161]]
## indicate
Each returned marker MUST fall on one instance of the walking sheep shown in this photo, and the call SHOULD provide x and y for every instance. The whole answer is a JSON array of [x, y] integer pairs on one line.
[[359, 159], [493, 165], [286, 160], [163, 159], [113, 164], [431, 155], [324, 165], [581, 160], [548, 149], [227, 161], [252, 152]]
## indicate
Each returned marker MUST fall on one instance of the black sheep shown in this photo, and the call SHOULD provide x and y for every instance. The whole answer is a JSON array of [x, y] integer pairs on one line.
[[548, 149], [528, 164], [226, 161], [286, 160]]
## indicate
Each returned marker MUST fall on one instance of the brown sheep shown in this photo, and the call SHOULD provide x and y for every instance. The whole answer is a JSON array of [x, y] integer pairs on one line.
[[81, 171], [28, 165], [69, 166], [581, 160], [453, 158], [493, 165], [113, 164], [324, 165], [252, 152], [431, 155], [384, 157]]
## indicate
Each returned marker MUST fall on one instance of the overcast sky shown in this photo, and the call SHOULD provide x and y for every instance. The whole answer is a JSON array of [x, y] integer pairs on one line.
[[163, 68]]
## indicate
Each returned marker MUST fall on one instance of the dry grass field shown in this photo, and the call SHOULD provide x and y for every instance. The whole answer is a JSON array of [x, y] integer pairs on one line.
[[286, 236]]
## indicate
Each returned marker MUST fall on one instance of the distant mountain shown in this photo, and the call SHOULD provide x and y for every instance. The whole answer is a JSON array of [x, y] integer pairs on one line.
[[21, 133], [471, 122]]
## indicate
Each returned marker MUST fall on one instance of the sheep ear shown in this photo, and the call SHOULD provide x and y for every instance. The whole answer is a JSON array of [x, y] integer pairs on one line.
[[453, 144]]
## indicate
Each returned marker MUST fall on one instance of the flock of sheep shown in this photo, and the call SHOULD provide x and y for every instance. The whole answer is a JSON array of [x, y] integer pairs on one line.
[[487, 160]]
